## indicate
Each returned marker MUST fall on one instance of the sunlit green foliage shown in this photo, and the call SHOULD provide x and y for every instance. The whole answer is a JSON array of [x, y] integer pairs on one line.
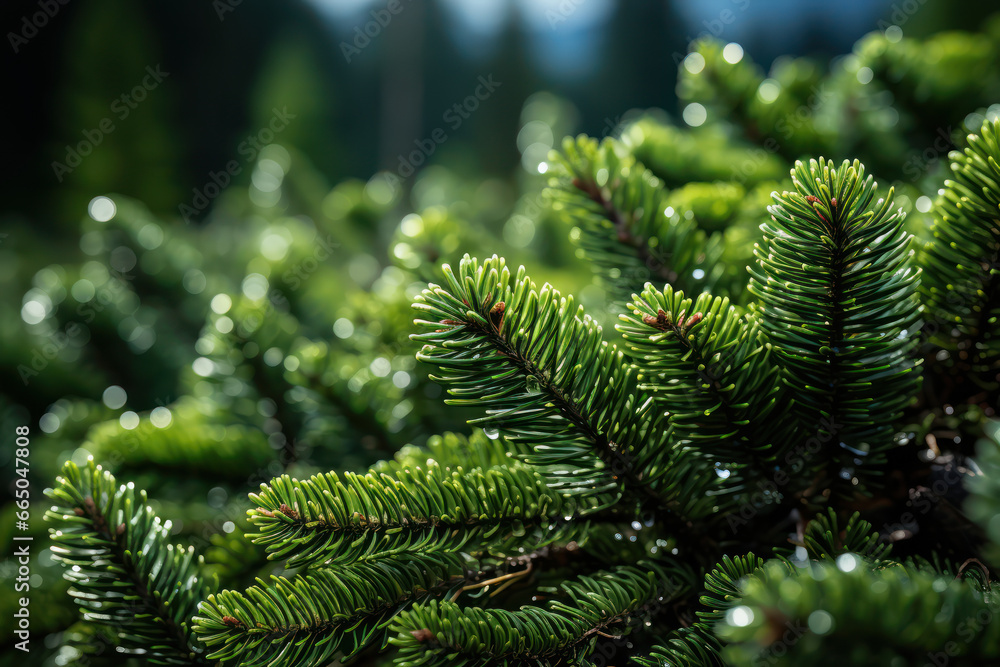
[[679, 465]]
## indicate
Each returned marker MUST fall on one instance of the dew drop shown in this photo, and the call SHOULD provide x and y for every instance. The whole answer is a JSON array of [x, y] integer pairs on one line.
[[740, 617]]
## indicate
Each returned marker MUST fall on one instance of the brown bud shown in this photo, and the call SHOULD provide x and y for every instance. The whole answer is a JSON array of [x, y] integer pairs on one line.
[[662, 321], [120, 530], [232, 622], [422, 635], [496, 314], [77, 511], [288, 511], [816, 200], [694, 319]]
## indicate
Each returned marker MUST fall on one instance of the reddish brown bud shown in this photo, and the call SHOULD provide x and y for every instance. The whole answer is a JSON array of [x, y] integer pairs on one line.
[[662, 321], [816, 200], [232, 622], [422, 635], [288, 511], [496, 314]]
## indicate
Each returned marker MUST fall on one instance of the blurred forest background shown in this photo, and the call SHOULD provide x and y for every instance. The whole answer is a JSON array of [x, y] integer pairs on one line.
[[213, 216], [229, 63]]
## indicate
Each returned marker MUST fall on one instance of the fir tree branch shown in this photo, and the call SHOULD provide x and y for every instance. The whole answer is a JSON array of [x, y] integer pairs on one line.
[[196, 442], [709, 369], [983, 503], [547, 379], [697, 645], [621, 220], [336, 519], [588, 186], [839, 307], [307, 620], [124, 571], [594, 606], [848, 608], [690, 647], [453, 450], [961, 287], [823, 538]]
